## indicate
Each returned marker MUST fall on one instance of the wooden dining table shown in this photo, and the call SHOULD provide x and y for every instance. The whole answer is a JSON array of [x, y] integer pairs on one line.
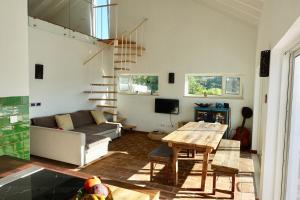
[[199, 136]]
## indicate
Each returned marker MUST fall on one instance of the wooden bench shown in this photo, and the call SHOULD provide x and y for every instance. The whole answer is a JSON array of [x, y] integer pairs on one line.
[[226, 163], [162, 155]]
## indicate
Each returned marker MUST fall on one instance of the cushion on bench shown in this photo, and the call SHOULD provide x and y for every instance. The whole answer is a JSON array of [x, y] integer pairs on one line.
[[162, 153], [97, 129], [227, 157]]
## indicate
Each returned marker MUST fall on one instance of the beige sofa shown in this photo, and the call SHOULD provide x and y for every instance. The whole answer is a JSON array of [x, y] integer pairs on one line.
[[86, 143]]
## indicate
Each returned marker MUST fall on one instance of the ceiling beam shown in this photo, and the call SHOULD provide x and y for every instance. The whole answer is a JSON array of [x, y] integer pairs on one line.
[[256, 4], [229, 4], [231, 12]]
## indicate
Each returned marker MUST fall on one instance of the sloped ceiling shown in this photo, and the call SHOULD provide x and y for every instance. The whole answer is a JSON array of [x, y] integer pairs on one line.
[[248, 11], [74, 14], [45, 9]]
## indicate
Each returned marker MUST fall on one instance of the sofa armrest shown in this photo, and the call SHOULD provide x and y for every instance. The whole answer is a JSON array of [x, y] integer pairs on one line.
[[119, 124], [56, 144]]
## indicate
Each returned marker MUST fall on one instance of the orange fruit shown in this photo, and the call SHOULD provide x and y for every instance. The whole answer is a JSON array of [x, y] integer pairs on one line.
[[90, 183]]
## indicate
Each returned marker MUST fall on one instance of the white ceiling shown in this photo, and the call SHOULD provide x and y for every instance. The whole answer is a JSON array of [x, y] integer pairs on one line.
[[246, 10]]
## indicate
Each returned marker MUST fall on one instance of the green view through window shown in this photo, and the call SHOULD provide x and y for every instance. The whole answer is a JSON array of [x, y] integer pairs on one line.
[[213, 85], [138, 84]]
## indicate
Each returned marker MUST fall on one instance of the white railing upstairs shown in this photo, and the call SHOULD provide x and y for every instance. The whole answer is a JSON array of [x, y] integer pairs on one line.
[[132, 44]]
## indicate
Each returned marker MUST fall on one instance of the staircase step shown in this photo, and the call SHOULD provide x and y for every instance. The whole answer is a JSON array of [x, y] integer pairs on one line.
[[108, 76], [103, 84], [102, 99], [123, 61], [110, 41], [109, 112], [101, 92], [128, 47], [127, 54], [123, 69], [106, 106]]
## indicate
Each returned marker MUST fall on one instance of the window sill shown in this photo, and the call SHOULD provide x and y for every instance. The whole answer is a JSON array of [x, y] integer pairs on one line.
[[214, 97], [137, 94]]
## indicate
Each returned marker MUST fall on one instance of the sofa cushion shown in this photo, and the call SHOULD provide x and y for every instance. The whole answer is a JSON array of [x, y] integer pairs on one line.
[[64, 122], [92, 140], [98, 116], [97, 129], [48, 122], [82, 118]]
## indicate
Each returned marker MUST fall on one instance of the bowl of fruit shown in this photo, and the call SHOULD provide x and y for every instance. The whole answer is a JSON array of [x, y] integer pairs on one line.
[[93, 189]]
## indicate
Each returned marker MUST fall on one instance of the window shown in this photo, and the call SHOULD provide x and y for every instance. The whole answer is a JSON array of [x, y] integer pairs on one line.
[[213, 85], [232, 86], [101, 19], [138, 84]]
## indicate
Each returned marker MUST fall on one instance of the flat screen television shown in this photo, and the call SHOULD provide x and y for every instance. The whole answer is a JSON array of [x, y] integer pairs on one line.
[[167, 106]]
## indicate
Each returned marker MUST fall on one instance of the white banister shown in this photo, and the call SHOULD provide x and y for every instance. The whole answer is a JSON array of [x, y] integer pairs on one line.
[[130, 51], [136, 49], [116, 21]]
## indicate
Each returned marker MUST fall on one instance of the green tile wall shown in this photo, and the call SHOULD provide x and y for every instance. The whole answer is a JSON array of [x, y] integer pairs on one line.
[[14, 138]]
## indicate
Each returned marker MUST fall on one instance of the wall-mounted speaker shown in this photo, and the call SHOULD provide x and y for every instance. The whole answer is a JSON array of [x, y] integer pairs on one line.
[[39, 71], [172, 78], [265, 63]]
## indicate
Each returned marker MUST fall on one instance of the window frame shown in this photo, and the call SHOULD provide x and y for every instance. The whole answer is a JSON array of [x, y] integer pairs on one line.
[[128, 92], [94, 20], [224, 76]]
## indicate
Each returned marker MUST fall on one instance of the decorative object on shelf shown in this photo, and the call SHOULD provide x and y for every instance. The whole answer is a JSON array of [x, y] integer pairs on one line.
[[157, 135], [243, 134], [219, 105], [93, 189], [226, 105], [214, 114], [203, 105]]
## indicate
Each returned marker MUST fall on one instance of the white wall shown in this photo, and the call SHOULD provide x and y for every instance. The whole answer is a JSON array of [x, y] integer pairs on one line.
[[186, 37], [65, 77], [13, 48], [278, 17]]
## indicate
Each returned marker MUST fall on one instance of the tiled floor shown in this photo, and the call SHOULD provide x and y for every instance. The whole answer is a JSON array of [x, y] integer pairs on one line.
[[127, 161]]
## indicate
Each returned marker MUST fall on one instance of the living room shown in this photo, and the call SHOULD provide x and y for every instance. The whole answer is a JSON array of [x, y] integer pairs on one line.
[[156, 98]]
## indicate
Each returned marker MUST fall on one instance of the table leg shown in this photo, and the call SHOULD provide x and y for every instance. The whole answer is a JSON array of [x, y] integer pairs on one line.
[[204, 168], [176, 150]]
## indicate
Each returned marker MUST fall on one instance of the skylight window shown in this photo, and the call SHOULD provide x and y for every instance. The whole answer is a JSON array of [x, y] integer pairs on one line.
[[101, 19]]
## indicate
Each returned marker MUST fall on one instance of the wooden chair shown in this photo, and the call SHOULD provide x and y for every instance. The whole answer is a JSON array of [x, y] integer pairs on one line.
[[162, 155], [226, 163]]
